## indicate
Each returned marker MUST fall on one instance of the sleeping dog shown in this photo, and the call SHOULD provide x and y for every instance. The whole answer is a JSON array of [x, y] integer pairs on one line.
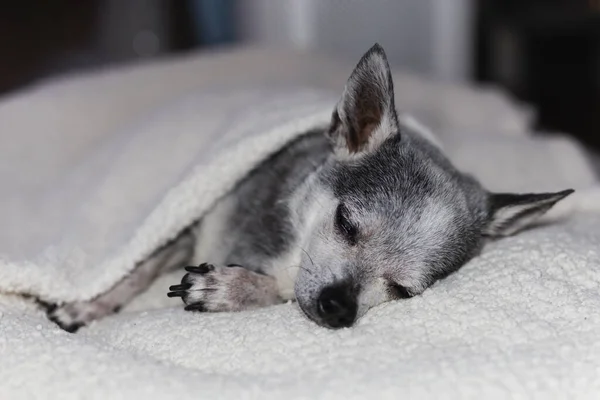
[[341, 219]]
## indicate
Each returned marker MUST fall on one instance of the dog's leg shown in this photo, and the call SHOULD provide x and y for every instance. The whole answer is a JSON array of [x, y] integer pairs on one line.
[[233, 288], [72, 316]]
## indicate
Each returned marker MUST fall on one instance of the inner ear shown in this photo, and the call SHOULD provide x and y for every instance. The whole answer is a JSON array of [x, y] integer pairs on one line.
[[366, 112], [357, 131]]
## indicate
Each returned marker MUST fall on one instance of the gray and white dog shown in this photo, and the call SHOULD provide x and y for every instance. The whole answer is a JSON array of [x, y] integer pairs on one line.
[[341, 219]]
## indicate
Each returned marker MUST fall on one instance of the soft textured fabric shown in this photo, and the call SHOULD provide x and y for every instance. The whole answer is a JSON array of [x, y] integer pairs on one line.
[[73, 226], [98, 171], [521, 321]]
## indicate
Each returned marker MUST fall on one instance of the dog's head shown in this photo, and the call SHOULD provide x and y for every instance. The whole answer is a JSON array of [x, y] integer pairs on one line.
[[388, 215]]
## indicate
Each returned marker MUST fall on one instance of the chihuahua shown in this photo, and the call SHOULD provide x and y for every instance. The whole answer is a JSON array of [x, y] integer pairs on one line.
[[343, 218]]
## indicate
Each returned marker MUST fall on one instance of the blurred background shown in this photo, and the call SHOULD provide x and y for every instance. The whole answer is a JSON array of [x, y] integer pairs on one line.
[[544, 52]]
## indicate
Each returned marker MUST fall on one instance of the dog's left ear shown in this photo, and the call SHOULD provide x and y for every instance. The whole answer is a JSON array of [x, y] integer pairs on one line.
[[509, 213], [365, 115]]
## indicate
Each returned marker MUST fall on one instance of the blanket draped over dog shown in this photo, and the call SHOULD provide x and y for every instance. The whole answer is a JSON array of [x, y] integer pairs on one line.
[[78, 209], [76, 221]]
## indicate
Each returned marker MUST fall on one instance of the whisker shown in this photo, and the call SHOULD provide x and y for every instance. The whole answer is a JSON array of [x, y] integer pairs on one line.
[[309, 258], [300, 267], [308, 255], [306, 269], [313, 264]]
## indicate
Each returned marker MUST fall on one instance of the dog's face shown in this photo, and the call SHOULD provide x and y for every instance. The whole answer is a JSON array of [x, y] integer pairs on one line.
[[388, 215]]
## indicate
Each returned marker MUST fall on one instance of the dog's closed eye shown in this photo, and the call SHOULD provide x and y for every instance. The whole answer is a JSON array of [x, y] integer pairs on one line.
[[343, 224], [399, 291]]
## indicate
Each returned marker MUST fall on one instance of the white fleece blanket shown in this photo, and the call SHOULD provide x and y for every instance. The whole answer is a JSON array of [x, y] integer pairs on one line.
[[81, 205], [75, 224]]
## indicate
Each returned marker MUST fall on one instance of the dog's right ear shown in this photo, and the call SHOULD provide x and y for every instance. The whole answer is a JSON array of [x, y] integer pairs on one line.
[[366, 115]]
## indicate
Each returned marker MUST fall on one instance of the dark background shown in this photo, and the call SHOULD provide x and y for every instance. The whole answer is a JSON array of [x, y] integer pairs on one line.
[[545, 52]]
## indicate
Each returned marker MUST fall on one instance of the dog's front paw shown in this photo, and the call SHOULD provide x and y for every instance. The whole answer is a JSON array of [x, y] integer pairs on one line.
[[214, 289]]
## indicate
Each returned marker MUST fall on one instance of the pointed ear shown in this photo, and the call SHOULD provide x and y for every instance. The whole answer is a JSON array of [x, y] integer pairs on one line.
[[509, 213], [365, 115]]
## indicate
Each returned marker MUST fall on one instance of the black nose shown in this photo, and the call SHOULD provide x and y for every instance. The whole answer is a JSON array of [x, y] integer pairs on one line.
[[337, 306]]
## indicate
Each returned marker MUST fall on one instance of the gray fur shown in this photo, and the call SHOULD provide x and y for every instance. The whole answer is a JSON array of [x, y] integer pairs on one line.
[[259, 223], [346, 217]]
